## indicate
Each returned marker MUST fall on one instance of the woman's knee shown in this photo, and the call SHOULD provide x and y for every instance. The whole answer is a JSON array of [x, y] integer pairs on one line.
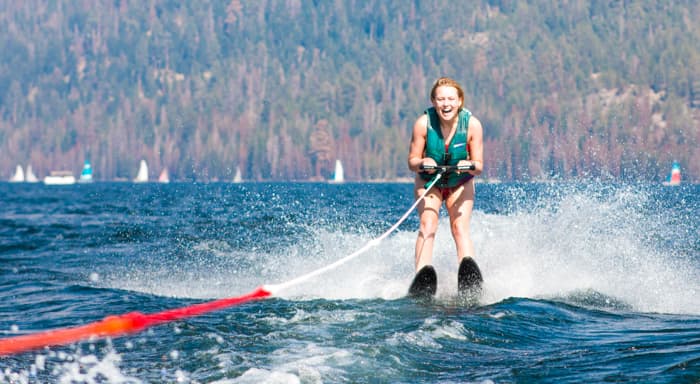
[[460, 229], [428, 226]]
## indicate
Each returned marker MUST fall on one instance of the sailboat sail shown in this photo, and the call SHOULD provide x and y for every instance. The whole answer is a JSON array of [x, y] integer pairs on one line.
[[142, 175], [86, 174], [339, 175], [18, 177], [237, 178], [31, 177], [675, 177], [164, 176]]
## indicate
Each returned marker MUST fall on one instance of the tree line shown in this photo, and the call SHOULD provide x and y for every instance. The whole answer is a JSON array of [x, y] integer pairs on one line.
[[576, 89]]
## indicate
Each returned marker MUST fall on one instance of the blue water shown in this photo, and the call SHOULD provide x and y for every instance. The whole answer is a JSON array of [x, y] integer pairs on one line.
[[583, 283]]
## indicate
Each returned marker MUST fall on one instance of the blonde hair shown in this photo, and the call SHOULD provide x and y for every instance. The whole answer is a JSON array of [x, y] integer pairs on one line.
[[447, 82]]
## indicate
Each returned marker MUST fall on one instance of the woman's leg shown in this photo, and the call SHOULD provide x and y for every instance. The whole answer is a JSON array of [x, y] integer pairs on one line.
[[428, 211], [459, 206]]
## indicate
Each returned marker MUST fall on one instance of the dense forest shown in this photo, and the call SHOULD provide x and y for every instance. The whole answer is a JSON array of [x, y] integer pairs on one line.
[[282, 88]]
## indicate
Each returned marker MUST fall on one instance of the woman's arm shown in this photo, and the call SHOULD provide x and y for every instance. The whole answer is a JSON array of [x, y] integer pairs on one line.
[[418, 139], [476, 145]]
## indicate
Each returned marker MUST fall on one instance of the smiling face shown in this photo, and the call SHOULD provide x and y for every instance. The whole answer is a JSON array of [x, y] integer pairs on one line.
[[447, 97], [447, 102]]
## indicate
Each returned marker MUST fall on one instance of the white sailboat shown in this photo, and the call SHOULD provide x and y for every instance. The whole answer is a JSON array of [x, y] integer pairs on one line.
[[31, 177], [338, 175], [237, 178], [142, 175], [18, 177]]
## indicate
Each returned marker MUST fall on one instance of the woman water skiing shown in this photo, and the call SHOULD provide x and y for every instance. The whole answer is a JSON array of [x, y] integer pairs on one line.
[[446, 134]]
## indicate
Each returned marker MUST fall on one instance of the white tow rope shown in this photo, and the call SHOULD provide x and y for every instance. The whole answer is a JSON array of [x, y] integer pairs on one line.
[[275, 288]]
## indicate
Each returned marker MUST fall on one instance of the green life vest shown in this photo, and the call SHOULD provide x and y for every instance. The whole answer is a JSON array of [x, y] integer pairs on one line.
[[447, 155]]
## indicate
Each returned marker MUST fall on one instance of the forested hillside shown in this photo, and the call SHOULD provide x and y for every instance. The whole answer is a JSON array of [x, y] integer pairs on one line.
[[281, 88]]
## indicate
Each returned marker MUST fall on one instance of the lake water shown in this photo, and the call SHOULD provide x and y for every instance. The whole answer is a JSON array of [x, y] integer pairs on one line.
[[583, 283]]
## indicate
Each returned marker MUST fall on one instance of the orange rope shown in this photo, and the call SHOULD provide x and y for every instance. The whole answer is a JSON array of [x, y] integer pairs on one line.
[[113, 326]]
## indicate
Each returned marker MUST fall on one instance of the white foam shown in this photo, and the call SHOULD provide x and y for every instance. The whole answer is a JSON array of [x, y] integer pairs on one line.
[[310, 361], [578, 241], [429, 334], [584, 244], [72, 368], [257, 375]]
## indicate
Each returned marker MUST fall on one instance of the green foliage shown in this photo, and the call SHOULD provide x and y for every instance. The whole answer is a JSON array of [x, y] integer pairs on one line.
[[562, 89]]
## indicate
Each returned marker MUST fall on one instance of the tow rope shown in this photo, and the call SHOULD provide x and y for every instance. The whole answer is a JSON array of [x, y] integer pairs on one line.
[[132, 322]]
